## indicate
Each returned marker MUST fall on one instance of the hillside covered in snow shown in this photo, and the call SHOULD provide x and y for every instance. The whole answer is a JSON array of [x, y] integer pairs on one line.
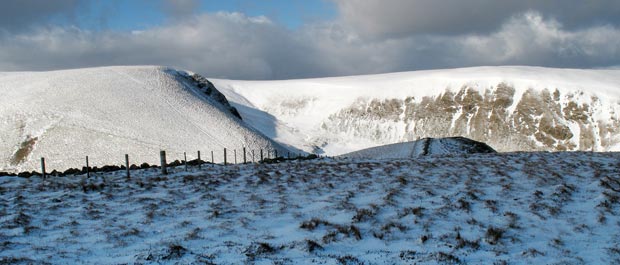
[[509, 108], [107, 112]]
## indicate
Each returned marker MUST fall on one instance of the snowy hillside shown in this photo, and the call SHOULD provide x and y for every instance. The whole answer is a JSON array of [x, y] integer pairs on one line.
[[509, 108], [523, 208], [108, 112], [423, 147]]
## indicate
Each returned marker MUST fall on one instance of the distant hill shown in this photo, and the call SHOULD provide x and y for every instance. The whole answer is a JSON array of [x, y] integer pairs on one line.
[[512, 108]]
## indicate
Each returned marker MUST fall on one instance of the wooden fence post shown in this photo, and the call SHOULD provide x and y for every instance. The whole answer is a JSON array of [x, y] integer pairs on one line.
[[252, 155], [235, 152], [261, 154], [212, 159], [185, 160], [276, 153], [87, 168], [43, 167], [127, 165], [199, 161], [162, 159], [244, 160]]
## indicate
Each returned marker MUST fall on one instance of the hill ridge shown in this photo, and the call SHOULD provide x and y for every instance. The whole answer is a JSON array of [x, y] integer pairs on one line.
[[513, 108]]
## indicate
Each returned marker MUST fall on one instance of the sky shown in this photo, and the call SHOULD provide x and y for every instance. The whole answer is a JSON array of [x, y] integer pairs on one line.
[[285, 39]]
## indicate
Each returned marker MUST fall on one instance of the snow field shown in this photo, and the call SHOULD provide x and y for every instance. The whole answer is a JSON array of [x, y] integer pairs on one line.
[[529, 208]]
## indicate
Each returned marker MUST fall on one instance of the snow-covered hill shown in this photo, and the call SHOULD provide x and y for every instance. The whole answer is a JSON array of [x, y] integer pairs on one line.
[[509, 108], [423, 147], [108, 112]]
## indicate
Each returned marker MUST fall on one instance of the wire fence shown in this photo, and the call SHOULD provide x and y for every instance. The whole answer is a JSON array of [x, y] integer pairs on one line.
[[223, 157]]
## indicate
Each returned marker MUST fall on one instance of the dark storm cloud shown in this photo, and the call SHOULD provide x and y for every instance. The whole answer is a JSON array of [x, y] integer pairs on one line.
[[17, 15], [398, 18]]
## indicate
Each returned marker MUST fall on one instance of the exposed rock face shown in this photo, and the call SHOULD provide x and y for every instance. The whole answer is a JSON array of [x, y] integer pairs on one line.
[[209, 89], [24, 150], [500, 116], [423, 147], [455, 145]]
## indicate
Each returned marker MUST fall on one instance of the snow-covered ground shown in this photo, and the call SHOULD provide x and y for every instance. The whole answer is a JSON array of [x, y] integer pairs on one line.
[[107, 112], [314, 114], [527, 208]]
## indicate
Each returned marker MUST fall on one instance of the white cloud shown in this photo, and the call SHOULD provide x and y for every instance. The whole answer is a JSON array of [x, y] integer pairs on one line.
[[526, 39], [530, 39], [402, 18], [232, 45], [223, 44]]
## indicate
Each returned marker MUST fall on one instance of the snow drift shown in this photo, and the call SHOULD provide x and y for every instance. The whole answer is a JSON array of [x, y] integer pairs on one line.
[[108, 112], [510, 108], [423, 147]]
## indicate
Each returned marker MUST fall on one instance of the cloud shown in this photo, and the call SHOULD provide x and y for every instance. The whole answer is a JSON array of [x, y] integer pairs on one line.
[[526, 39], [233, 45], [402, 18], [228, 45], [180, 8], [532, 40]]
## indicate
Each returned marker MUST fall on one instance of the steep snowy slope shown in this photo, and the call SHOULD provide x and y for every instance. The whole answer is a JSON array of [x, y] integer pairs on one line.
[[423, 147], [510, 108], [107, 112]]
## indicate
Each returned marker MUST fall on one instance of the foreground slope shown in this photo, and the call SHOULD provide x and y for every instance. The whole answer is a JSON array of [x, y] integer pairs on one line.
[[423, 147], [509, 108], [108, 112], [529, 208]]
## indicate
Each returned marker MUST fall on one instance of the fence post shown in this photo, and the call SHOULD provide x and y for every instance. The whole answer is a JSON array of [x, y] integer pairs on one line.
[[162, 159], [199, 161], [288, 155], [43, 167], [127, 165], [87, 168], [244, 160], [212, 160], [261, 155], [185, 160], [235, 152], [252, 155], [224, 156], [276, 153]]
